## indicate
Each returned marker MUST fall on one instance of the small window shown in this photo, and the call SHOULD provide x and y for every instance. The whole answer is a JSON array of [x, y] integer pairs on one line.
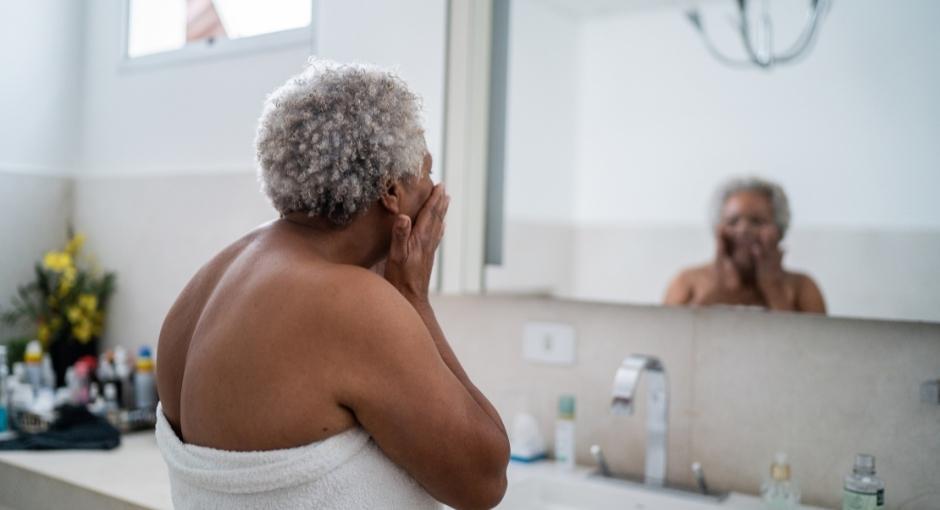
[[161, 30]]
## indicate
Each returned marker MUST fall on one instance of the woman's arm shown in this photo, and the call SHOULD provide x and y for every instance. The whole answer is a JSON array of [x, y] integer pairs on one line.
[[407, 387], [399, 383]]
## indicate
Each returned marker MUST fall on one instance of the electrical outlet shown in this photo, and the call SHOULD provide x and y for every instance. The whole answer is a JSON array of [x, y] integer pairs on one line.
[[551, 343]]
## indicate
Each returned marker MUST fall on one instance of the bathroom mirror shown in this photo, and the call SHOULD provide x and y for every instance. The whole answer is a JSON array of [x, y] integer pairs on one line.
[[613, 127]]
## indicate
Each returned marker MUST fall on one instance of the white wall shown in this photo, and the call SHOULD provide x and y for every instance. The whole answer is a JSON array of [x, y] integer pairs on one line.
[[40, 98], [540, 150], [850, 132], [40, 54], [197, 117], [168, 169]]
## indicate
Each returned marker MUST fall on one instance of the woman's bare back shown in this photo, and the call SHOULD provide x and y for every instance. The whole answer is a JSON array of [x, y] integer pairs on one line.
[[237, 372]]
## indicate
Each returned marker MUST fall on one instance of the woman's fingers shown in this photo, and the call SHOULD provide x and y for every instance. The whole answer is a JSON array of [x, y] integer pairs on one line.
[[401, 232], [441, 213], [430, 215]]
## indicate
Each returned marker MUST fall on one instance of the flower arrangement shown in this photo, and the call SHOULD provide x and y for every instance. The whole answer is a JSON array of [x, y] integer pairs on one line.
[[65, 304]]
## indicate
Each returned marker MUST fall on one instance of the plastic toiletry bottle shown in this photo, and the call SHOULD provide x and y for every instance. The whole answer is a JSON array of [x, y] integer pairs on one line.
[[4, 410], [33, 359], [779, 492], [112, 410], [145, 389], [48, 374], [564, 432], [122, 372], [863, 490]]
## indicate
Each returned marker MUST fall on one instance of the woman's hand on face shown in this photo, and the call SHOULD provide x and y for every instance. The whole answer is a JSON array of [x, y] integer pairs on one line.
[[769, 273], [727, 273], [411, 254]]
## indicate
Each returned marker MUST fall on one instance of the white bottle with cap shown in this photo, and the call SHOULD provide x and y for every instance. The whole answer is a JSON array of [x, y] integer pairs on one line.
[[33, 359], [564, 432], [145, 388]]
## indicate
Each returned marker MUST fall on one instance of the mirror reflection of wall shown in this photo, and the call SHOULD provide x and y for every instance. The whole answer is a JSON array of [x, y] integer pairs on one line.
[[620, 128]]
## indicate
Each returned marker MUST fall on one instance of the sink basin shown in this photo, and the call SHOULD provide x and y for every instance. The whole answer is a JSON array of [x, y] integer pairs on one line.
[[546, 492]]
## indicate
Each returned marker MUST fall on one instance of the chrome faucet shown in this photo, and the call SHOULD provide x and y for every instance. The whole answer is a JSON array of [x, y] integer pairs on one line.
[[624, 394]]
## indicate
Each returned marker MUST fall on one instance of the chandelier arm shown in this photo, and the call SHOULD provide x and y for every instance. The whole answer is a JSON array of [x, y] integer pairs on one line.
[[695, 20], [745, 30], [808, 35]]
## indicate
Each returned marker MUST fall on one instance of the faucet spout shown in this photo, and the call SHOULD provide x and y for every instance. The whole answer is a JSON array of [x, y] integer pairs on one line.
[[624, 396]]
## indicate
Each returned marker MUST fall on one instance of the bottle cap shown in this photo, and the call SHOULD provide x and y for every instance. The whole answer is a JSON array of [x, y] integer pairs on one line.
[[33, 352], [780, 468], [144, 364], [566, 406], [864, 464]]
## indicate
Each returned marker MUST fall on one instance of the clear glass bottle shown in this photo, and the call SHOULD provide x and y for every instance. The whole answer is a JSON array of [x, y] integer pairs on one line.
[[863, 490], [779, 492]]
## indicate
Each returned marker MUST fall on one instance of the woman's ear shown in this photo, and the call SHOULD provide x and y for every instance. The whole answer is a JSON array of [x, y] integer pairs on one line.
[[391, 198]]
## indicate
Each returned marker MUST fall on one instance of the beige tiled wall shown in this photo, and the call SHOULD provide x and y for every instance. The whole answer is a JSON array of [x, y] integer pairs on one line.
[[743, 385]]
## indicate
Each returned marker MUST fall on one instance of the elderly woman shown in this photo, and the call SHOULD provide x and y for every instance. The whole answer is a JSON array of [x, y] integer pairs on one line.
[[751, 218], [292, 376]]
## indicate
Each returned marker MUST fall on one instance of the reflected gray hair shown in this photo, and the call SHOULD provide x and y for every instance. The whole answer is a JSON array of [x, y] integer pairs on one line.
[[773, 191], [331, 139]]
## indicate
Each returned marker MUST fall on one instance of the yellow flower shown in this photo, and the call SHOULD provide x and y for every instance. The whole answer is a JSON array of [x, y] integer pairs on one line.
[[68, 279], [75, 244], [43, 333], [57, 261], [82, 331], [88, 302], [74, 314]]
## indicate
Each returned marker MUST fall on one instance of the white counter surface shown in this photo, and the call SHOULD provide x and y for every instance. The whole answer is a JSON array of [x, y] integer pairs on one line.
[[134, 476]]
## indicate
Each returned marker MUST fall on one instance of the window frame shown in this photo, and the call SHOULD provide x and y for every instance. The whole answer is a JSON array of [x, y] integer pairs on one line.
[[208, 50]]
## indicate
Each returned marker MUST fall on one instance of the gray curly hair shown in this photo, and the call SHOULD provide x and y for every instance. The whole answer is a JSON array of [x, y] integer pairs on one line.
[[332, 138], [773, 191]]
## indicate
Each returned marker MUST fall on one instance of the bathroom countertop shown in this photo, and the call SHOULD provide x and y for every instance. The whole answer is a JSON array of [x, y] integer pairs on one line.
[[132, 476]]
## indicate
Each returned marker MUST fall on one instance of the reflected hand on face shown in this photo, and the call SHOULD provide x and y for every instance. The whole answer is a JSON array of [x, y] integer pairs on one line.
[[726, 272], [768, 269], [411, 254]]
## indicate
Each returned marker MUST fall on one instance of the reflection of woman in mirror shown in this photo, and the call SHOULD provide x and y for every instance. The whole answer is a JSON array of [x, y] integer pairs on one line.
[[751, 218]]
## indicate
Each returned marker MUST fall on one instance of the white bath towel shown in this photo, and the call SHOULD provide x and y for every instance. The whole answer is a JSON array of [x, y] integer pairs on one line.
[[346, 471]]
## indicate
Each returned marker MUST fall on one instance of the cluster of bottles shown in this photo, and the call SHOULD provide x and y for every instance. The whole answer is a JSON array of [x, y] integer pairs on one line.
[[114, 385], [862, 489]]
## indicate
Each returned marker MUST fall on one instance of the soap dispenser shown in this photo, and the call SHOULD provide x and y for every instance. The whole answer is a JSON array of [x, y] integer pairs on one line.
[[779, 492]]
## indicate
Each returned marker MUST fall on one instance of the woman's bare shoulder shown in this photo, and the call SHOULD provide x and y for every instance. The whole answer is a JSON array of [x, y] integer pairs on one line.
[[691, 275]]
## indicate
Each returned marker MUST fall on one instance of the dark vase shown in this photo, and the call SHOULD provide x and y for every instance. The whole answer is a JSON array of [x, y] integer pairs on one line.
[[65, 352]]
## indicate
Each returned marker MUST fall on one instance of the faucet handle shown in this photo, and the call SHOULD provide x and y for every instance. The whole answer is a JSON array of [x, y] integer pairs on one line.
[[699, 475], [598, 455]]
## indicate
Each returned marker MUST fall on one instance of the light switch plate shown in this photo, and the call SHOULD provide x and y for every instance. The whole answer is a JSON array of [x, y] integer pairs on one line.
[[552, 343]]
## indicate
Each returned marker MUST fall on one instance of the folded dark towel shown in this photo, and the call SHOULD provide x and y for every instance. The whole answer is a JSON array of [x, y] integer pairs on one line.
[[74, 429]]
